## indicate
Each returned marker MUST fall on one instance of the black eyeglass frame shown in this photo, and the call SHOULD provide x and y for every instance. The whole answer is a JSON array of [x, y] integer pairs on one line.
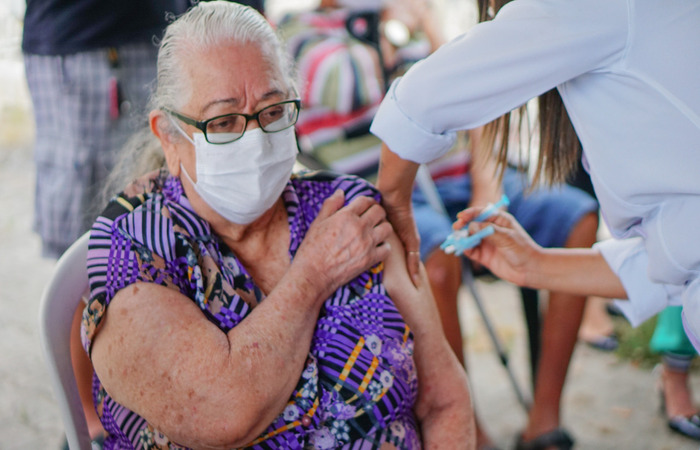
[[201, 125]]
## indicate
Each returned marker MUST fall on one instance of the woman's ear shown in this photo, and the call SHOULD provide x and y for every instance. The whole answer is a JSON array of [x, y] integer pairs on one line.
[[159, 127]]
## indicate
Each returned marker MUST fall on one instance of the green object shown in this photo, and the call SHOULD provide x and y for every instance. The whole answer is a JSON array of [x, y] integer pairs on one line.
[[669, 336]]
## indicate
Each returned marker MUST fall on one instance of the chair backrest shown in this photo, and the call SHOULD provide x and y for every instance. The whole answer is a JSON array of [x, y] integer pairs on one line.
[[58, 303]]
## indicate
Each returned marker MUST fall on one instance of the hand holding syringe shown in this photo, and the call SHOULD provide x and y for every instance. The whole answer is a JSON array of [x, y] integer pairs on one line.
[[460, 240]]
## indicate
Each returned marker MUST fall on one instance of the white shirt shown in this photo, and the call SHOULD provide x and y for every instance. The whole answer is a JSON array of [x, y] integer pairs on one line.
[[629, 74]]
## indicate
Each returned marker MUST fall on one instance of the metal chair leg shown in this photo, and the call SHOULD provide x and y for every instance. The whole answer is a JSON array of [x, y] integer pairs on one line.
[[531, 308]]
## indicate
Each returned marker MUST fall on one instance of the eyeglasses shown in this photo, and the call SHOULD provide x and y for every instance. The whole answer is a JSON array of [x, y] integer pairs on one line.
[[230, 127]]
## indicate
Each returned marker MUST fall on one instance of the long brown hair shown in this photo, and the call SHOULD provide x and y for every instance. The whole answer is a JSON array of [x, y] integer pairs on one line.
[[559, 149]]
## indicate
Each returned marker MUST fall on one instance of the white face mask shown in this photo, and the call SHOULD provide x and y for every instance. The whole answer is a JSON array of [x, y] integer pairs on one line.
[[243, 179]]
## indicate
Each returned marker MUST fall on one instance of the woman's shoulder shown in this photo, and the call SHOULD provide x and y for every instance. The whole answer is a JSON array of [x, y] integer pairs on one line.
[[138, 192], [152, 207]]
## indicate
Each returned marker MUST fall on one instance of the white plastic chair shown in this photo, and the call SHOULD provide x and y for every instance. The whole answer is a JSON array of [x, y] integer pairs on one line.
[[58, 302]]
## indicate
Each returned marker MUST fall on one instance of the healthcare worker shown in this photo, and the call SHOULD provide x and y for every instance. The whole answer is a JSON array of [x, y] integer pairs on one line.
[[628, 72]]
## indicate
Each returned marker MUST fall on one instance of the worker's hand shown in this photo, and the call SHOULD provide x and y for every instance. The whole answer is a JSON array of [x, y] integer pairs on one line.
[[509, 252], [487, 197]]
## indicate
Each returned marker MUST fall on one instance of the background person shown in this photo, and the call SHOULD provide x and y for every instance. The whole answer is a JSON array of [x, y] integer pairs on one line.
[[89, 65], [283, 330], [677, 354]]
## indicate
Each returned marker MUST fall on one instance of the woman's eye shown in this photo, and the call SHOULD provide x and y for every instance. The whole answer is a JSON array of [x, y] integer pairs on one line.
[[271, 114], [224, 124]]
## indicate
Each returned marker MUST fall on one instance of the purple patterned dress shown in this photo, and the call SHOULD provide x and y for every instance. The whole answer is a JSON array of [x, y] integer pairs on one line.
[[359, 385]]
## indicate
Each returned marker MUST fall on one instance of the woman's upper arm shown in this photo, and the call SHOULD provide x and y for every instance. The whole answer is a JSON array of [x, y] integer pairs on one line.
[[443, 404], [416, 304], [156, 354], [159, 356], [406, 296]]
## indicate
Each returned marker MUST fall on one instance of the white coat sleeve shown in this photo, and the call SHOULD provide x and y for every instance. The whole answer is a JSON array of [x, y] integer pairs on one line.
[[531, 47], [629, 260]]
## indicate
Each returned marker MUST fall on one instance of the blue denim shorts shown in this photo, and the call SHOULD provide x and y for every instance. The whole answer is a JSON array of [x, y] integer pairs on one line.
[[547, 214]]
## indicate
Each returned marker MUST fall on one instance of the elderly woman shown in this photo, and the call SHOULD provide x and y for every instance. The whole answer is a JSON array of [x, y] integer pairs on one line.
[[234, 304]]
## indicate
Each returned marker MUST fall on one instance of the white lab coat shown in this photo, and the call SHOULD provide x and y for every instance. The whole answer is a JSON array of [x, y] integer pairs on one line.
[[629, 74]]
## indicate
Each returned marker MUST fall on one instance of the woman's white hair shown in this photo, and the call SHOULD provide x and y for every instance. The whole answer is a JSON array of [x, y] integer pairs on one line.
[[204, 26], [208, 25]]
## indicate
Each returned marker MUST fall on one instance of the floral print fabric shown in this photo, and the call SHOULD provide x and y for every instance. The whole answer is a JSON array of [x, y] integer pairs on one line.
[[358, 386]]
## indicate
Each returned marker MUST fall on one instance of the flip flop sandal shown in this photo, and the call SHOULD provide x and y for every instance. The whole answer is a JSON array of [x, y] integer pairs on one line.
[[687, 426], [558, 438], [604, 343]]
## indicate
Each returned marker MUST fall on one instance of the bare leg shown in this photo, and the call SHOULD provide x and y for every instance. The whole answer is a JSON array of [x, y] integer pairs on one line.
[[677, 394], [596, 321], [559, 336]]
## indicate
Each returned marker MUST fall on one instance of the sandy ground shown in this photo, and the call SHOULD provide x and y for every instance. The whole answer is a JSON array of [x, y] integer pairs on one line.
[[608, 404]]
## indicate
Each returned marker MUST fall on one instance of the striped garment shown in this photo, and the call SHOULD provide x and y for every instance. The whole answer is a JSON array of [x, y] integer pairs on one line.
[[359, 384], [342, 85], [78, 135], [340, 77]]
